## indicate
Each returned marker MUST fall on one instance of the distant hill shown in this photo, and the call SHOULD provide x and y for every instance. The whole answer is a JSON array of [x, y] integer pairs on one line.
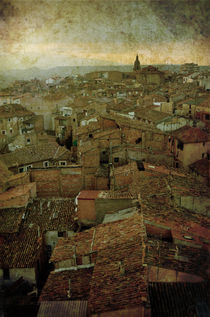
[[9, 76]]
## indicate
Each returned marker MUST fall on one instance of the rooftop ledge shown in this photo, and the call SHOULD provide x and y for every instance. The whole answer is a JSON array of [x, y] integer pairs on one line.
[[18, 196]]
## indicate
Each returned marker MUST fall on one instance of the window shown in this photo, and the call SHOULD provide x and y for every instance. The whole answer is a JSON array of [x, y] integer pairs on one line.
[[203, 154], [28, 141], [140, 165], [3, 132], [62, 163], [90, 136], [74, 120], [116, 159], [138, 140], [28, 167], [207, 116], [46, 164], [6, 274], [49, 251], [9, 119], [180, 145], [10, 130], [21, 169], [61, 234]]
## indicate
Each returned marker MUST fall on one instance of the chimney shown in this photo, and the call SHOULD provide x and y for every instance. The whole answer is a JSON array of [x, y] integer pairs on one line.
[[38, 231], [69, 290], [122, 268]]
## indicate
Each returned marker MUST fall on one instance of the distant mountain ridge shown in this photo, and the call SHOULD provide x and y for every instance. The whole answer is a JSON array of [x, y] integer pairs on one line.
[[9, 76]]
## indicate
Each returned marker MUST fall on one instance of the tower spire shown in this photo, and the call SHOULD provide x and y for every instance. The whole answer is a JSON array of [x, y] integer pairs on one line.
[[136, 65]]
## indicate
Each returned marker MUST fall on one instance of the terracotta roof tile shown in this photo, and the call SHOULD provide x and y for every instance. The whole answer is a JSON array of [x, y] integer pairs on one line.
[[20, 251], [57, 285], [202, 167], [34, 153], [191, 135], [89, 194]]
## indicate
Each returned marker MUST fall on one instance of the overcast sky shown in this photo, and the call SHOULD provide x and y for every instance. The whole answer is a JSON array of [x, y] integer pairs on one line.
[[49, 33]]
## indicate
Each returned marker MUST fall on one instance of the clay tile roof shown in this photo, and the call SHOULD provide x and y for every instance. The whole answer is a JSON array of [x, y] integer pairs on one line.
[[191, 135], [89, 194], [112, 289], [14, 110], [79, 244], [202, 167], [57, 285], [10, 220], [54, 215], [34, 153], [63, 309], [151, 115], [20, 251], [4, 173]]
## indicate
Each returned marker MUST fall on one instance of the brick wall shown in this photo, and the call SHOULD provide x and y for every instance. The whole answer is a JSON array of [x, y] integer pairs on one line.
[[64, 182]]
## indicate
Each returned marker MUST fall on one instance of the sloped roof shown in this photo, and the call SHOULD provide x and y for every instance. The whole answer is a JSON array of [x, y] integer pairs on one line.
[[35, 153], [89, 194], [202, 167], [4, 173], [10, 220], [63, 309], [20, 251], [151, 115], [191, 135], [118, 280], [57, 285], [14, 110]]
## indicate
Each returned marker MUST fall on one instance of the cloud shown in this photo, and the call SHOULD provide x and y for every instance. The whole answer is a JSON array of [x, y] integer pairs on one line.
[[113, 30]]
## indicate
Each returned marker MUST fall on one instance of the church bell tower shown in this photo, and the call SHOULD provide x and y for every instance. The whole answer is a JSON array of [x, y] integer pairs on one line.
[[136, 66]]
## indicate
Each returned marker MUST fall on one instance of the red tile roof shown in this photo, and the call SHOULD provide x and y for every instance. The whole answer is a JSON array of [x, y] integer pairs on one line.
[[20, 251], [191, 135], [202, 167], [89, 194], [119, 279], [10, 220], [57, 285], [35, 153]]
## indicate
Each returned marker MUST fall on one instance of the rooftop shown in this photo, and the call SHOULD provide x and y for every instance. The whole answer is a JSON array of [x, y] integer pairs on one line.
[[14, 110], [191, 135], [89, 194], [17, 196], [57, 285], [20, 251], [202, 167], [63, 308], [35, 153]]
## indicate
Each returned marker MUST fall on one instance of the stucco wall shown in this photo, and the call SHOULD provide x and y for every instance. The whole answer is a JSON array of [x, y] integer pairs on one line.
[[192, 152], [28, 274], [103, 206]]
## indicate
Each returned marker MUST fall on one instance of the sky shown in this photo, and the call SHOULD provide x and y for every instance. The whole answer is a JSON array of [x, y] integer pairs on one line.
[[50, 33]]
